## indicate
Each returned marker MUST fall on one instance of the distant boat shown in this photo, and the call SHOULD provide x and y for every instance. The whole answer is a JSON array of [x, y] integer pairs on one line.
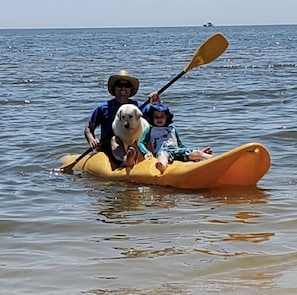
[[208, 25]]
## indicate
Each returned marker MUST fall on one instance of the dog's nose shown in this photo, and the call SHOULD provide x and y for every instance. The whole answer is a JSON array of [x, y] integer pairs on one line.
[[126, 125]]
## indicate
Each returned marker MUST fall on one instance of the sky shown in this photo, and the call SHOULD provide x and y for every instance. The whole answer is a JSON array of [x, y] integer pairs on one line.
[[143, 13]]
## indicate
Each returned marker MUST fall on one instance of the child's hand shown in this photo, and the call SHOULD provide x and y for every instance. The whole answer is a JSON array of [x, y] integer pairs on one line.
[[148, 155]]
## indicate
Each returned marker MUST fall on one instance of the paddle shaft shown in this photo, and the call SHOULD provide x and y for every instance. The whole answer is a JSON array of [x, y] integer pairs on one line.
[[81, 156], [171, 82], [165, 87]]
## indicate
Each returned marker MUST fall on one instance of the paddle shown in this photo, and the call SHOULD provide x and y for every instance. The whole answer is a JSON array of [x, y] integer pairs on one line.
[[211, 49], [68, 168]]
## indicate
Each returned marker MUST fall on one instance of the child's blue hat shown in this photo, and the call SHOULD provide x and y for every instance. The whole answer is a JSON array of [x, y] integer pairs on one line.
[[158, 106]]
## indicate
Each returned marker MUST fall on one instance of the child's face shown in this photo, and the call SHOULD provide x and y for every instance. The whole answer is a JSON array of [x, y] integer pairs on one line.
[[159, 118]]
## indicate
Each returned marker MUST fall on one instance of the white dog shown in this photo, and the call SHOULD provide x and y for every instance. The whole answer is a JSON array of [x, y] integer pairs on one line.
[[129, 124]]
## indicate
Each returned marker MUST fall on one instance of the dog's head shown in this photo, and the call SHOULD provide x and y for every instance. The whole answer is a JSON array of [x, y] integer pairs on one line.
[[129, 115]]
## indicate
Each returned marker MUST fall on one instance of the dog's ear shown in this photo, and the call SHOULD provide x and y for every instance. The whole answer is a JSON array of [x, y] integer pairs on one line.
[[138, 113], [119, 114]]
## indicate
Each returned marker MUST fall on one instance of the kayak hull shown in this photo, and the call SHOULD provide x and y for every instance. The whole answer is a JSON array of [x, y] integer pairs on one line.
[[242, 166]]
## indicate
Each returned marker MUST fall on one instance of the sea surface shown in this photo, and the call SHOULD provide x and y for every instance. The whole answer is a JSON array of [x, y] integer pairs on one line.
[[75, 234]]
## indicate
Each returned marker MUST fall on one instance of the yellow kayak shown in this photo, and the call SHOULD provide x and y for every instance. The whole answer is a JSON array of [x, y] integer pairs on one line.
[[242, 166]]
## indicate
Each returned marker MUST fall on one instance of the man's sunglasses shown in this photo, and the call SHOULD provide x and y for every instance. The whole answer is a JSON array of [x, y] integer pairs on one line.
[[122, 85]]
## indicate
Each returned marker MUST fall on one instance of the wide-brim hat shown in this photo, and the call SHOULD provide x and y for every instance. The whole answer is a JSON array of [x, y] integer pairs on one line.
[[123, 75]]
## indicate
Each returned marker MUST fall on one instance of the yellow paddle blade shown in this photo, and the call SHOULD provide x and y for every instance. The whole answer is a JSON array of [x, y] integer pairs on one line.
[[70, 161], [211, 49]]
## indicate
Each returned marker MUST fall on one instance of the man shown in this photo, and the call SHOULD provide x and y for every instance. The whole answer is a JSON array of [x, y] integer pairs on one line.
[[122, 86]]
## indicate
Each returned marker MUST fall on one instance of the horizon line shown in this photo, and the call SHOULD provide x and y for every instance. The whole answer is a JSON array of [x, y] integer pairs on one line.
[[145, 26]]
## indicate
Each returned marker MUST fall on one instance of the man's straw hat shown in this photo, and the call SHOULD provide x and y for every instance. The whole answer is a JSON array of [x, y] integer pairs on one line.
[[123, 75]]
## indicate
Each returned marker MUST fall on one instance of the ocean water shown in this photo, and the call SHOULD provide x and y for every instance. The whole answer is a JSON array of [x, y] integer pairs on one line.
[[75, 234]]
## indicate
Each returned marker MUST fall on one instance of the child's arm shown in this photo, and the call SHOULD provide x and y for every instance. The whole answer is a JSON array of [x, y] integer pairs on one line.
[[143, 141]]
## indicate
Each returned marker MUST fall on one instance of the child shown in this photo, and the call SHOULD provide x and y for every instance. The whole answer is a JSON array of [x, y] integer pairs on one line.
[[165, 140]]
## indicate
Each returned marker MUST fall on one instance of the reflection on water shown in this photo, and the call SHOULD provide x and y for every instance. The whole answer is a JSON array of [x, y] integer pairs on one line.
[[245, 216], [241, 217], [251, 237], [126, 203], [206, 210], [166, 289], [261, 279], [238, 195], [148, 253]]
